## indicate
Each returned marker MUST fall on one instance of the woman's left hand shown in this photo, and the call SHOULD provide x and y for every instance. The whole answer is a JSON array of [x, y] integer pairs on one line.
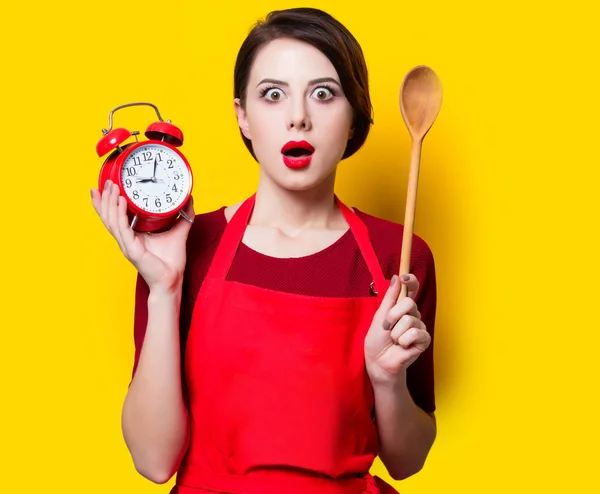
[[397, 335]]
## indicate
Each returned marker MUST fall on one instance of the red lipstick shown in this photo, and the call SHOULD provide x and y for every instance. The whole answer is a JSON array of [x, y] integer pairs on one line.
[[297, 154]]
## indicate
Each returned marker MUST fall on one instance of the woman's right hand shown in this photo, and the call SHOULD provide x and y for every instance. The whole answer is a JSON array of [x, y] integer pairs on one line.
[[159, 258]]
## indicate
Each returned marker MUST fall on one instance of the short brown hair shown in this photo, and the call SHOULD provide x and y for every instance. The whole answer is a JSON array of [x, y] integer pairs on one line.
[[328, 35]]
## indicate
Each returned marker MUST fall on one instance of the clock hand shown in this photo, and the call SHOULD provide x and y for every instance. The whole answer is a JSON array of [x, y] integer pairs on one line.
[[154, 171], [143, 180]]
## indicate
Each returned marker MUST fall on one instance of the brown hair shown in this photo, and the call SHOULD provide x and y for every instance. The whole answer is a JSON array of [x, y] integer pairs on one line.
[[328, 35]]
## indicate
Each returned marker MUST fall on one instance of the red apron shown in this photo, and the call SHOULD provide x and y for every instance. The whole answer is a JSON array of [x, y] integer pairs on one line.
[[280, 402]]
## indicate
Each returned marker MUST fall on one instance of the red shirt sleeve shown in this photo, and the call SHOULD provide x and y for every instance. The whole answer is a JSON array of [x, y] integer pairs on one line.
[[386, 237], [201, 245], [420, 375]]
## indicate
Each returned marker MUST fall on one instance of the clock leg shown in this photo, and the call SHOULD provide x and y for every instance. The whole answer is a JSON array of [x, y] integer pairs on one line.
[[185, 216], [133, 222]]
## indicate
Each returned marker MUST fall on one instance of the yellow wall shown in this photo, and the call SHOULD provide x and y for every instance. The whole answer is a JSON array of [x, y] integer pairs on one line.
[[507, 202]]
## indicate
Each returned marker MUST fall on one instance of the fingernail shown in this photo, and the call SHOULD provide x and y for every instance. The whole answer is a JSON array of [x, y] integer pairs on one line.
[[405, 277], [106, 185], [92, 193], [386, 325], [394, 278]]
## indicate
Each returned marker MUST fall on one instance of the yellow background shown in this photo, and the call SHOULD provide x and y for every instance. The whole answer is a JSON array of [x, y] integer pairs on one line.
[[507, 201]]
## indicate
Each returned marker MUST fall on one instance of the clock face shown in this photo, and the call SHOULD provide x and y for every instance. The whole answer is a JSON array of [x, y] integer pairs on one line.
[[155, 178]]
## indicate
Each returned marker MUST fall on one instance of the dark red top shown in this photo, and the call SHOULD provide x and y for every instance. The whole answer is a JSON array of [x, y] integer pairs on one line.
[[336, 271]]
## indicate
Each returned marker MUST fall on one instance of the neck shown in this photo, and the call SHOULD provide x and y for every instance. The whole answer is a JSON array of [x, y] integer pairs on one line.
[[278, 207]]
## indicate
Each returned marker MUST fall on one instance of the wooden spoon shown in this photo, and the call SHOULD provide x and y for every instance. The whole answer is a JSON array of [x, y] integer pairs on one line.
[[420, 103]]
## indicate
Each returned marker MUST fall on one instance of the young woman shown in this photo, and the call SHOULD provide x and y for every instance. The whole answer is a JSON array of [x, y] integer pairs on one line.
[[272, 355]]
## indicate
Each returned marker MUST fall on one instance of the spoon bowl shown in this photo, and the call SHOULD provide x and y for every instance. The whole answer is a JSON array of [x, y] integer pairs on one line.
[[420, 100]]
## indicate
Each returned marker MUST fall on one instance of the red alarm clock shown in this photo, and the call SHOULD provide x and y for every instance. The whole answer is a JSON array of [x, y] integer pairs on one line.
[[154, 176]]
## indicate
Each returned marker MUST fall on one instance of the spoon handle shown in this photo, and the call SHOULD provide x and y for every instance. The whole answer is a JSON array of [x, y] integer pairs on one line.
[[409, 213]]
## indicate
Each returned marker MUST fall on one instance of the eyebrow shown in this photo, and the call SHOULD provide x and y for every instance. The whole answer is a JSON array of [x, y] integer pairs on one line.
[[310, 83]]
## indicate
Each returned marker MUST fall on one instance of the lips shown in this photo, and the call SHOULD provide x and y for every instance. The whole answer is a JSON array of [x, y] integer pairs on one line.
[[297, 154], [297, 148]]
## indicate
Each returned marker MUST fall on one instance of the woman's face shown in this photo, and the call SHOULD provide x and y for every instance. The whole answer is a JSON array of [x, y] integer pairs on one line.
[[294, 96]]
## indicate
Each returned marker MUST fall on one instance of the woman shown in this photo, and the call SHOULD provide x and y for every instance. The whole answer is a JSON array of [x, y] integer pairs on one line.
[[271, 355]]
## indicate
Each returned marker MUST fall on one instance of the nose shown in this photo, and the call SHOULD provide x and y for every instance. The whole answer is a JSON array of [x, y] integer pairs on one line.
[[299, 118]]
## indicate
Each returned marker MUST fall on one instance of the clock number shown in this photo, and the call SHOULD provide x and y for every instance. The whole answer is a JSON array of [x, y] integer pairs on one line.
[[174, 188], [147, 156], [169, 200], [136, 195], [157, 202], [137, 161], [128, 183], [170, 163], [131, 171], [176, 177], [159, 157], [146, 201]]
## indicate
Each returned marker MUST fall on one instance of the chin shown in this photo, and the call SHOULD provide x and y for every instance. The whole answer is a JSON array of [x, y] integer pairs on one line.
[[302, 180], [298, 184]]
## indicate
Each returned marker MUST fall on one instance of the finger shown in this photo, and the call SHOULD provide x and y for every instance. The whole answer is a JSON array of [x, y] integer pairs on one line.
[[406, 306], [414, 310], [122, 233], [110, 204], [96, 198], [117, 230], [126, 233], [419, 338], [405, 324], [104, 203], [119, 202], [412, 284], [389, 299], [112, 215]]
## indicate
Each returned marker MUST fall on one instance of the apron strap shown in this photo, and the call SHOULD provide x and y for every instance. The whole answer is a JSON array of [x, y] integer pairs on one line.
[[361, 234], [230, 240], [234, 233]]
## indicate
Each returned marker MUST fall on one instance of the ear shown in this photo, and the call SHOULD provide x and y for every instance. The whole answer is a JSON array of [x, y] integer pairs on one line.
[[352, 128], [242, 118]]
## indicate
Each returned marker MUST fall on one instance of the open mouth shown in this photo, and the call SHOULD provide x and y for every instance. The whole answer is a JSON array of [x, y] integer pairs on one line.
[[297, 149], [297, 153]]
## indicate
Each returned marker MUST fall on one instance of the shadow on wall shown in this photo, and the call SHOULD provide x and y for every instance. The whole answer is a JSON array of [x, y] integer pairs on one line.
[[376, 180]]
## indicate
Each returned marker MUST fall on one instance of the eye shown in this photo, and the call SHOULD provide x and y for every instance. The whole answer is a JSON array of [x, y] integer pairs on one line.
[[272, 94], [323, 93]]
